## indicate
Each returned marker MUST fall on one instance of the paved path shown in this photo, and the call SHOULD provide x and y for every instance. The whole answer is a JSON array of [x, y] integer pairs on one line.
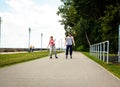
[[77, 72]]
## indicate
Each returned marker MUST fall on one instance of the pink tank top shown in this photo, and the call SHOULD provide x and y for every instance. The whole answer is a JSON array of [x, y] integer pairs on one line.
[[51, 43]]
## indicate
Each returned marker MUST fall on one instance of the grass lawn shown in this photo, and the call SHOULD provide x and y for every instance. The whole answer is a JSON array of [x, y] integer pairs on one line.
[[112, 67], [9, 59]]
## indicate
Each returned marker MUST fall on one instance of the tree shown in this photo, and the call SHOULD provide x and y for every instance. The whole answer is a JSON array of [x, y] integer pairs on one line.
[[109, 24], [91, 21]]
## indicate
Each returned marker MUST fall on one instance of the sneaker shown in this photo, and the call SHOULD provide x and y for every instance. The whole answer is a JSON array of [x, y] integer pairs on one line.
[[71, 57], [56, 57], [50, 57]]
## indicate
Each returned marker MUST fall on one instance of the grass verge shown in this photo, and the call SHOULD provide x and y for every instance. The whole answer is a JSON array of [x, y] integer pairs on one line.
[[112, 67], [10, 59]]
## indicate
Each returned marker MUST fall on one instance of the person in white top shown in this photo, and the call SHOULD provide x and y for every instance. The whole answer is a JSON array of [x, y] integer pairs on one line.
[[69, 42]]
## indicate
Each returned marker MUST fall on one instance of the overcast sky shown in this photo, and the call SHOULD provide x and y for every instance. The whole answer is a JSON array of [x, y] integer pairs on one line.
[[39, 15]]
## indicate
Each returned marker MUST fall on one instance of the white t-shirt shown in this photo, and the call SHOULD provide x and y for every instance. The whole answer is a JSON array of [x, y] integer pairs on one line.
[[69, 40]]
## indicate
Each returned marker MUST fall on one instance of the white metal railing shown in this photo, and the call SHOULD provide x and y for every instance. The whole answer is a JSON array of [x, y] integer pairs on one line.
[[100, 50]]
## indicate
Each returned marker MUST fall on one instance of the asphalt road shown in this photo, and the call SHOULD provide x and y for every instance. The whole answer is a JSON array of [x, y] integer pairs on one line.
[[77, 72]]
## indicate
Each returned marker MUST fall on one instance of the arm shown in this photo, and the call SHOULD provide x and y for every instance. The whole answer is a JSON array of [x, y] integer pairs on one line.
[[48, 44], [65, 41], [73, 41]]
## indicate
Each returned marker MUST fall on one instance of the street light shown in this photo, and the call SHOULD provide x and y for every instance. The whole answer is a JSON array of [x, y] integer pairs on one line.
[[41, 40], [119, 46], [29, 39], [0, 32], [61, 43]]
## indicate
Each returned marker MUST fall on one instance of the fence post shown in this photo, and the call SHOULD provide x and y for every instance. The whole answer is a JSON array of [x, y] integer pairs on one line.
[[100, 51], [107, 51], [104, 51]]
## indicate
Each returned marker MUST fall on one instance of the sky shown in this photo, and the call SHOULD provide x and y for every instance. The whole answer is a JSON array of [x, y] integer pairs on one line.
[[38, 15]]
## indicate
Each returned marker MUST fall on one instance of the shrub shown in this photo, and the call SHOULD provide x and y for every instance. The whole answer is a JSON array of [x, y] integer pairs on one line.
[[80, 48]]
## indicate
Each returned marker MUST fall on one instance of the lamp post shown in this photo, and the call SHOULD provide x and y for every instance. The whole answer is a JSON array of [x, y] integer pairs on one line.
[[119, 45], [61, 43], [0, 32], [29, 39], [41, 40]]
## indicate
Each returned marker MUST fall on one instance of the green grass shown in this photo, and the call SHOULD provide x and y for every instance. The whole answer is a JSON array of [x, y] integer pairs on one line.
[[112, 67], [10, 59]]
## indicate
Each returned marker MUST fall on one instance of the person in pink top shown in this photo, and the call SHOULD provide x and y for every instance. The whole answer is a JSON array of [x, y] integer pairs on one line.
[[52, 47]]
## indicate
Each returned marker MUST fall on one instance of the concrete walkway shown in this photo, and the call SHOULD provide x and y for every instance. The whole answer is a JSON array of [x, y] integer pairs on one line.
[[77, 72]]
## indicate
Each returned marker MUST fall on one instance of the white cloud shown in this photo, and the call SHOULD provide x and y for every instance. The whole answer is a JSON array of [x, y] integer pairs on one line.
[[23, 14]]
